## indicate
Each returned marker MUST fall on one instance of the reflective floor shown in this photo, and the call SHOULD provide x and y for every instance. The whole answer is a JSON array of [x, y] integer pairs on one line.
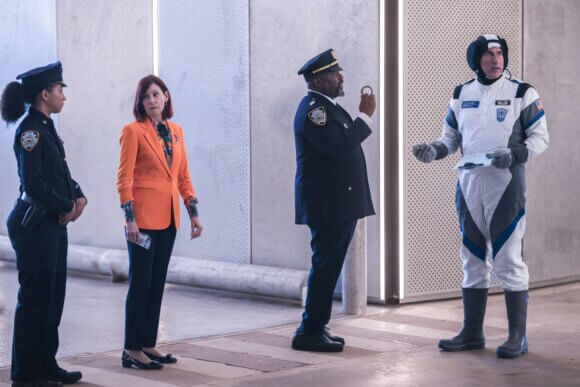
[[95, 308], [390, 346]]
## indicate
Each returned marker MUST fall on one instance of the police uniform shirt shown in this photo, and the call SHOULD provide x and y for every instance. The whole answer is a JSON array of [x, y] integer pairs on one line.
[[331, 184], [42, 168]]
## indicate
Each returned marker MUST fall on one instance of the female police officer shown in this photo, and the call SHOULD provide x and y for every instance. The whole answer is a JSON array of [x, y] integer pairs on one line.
[[49, 199], [500, 118]]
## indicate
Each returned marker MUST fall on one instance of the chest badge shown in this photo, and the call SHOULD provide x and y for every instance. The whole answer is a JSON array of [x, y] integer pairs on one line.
[[500, 114], [318, 116], [29, 139]]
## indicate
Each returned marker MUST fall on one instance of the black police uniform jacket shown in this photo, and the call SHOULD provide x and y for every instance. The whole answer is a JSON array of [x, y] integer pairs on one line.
[[331, 184], [42, 167]]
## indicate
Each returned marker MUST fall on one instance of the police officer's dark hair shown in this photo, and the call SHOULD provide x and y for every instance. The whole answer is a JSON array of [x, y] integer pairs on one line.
[[311, 78], [142, 87], [13, 102], [15, 97]]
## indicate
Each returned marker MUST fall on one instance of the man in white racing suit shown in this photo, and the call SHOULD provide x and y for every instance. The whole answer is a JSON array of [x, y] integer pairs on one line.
[[501, 118]]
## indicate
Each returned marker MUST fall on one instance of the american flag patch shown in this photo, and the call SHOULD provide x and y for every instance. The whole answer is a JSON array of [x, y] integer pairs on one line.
[[539, 105]]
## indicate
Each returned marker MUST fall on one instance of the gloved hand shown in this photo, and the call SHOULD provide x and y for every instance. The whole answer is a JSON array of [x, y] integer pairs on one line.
[[502, 158], [424, 152]]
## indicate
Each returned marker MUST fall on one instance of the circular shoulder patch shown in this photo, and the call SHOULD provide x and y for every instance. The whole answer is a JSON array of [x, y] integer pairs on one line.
[[29, 139], [318, 116]]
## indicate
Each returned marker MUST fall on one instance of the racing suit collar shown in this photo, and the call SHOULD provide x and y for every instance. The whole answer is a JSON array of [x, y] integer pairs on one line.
[[481, 78]]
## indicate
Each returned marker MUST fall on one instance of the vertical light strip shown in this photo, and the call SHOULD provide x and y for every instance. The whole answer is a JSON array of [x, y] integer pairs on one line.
[[402, 152], [155, 20], [56, 56], [56, 31], [382, 131]]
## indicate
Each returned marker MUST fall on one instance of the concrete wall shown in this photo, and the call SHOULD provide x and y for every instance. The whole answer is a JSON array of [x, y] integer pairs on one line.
[[27, 40], [105, 47], [283, 36], [551, 58]]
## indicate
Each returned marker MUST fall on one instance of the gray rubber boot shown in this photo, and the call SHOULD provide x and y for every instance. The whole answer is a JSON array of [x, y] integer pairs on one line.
[[517, 310], [471, 335]]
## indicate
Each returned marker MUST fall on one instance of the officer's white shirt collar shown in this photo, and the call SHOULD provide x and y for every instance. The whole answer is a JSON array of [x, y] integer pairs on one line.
[[325, 96]]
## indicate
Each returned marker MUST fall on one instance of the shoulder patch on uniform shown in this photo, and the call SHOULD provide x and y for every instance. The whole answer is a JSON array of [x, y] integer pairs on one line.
[[318, 116], [29, 139]]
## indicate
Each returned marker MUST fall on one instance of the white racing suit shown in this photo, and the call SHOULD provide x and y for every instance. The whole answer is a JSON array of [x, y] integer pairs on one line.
[[490, 201]]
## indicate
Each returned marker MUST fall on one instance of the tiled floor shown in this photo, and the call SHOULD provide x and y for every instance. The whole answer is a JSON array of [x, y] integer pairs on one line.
[[395, 347]]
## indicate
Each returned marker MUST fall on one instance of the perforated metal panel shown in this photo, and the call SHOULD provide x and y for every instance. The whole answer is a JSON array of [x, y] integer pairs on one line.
[[436, 35], [204, 58]]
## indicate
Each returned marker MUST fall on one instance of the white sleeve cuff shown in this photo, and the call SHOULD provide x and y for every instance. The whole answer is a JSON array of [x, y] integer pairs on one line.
[[365, 118]]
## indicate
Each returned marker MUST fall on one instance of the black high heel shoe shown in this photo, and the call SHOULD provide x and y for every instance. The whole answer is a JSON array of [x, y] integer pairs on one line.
[[129, 362], [167, 359]]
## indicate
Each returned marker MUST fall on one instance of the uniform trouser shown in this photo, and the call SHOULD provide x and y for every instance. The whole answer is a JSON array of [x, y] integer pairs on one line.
[[41, 257], [491, 208], [329, 245], [147, 273]]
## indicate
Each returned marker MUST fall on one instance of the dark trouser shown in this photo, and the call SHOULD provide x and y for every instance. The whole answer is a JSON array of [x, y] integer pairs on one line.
[[329, 245], [147, 273], [41, 257]]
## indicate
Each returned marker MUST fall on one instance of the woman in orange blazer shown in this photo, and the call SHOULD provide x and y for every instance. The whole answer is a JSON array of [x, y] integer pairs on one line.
[[152, 174]]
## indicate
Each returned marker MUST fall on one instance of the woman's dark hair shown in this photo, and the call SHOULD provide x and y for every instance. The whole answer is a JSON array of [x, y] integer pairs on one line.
[[13, 102], [142, 87], [15, 97]]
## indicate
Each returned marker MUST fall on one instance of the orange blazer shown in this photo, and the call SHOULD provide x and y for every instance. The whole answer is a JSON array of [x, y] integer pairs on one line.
[[145, 178]]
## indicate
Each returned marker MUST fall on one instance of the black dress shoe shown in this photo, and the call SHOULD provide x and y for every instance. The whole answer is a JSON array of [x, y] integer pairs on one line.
[[64, 376], [336, 339], [314, 341], [167, 359], [37, 383], [129, 362]]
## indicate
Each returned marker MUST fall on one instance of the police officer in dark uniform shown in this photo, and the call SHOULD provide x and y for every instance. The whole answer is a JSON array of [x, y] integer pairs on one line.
[[49, 199], [331, 189]]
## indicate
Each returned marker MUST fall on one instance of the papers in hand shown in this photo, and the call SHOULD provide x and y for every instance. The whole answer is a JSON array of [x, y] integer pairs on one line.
[[472, 161]]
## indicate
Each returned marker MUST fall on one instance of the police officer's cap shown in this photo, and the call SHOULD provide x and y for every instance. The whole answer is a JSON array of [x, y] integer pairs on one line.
[[479, 46], [321, 63], [41, 77]]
